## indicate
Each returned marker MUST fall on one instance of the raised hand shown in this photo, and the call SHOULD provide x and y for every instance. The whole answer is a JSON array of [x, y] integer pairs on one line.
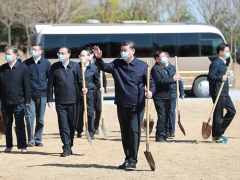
[[97, 52]]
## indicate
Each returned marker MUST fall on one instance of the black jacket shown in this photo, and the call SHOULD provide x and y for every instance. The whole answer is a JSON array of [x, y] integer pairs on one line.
[[92, 80], [15, 84], [64, 83], [216, 71], [38, 76], [163, 80]]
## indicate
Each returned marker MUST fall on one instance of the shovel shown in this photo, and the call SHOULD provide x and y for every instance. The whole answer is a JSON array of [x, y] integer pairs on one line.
[[85, 105], [151, 123], [103, 126], [206, 127], [178, 103], [147, 153]]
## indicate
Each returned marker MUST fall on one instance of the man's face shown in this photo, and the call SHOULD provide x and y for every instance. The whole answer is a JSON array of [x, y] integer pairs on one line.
[[37, 49], [11, 53], [158, 59], [85, 55], [129, 50], [226, 50], [64, 52]]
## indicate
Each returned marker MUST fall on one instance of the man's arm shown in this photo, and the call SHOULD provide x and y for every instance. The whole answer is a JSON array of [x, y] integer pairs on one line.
[[27, 86], [213, 73], [157, 76]]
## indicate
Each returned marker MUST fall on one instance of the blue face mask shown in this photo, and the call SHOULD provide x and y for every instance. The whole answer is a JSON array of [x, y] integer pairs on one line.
[[227, 54], [8, 58], [61, 58], [164, 60], [125, 56], [34, 53]]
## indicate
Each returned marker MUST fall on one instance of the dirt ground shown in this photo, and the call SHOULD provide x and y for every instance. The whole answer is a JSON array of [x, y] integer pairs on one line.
[[184, 157]]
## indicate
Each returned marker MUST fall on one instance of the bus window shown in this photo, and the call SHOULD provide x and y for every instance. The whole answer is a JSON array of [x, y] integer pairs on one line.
[[166, 42], [188, 45], [143, 44], [209, 43], [52, 43]]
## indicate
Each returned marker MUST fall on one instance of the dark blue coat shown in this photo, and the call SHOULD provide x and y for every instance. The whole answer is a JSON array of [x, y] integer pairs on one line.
[[130, 80], [38, 76], [172, 71], [216, 71]]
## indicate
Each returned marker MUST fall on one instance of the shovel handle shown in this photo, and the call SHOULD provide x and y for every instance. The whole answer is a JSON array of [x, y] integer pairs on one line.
[[177, 84], [101, 83], [219, 92], [147, 108], [84, 95]]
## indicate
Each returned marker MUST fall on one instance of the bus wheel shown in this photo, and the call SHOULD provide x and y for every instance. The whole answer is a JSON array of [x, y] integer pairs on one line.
[[201, 87]]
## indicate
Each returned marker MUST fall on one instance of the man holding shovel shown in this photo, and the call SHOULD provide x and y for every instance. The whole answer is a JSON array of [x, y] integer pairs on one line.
[[216, 76], [130, 77]]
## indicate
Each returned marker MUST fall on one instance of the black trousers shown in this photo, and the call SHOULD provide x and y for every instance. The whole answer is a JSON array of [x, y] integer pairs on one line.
[[8, 111], [97, 107], [130, 120], [90, 112], [66, 122], [220, 121], [163, 107]]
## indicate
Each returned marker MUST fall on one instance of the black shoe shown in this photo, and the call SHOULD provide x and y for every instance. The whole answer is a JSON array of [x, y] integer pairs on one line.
[[131, 166], [30, 145], [172, 135], [65, 153], [123, 166], [161, 140], [93, 137], [167, 136], [79, 135], [38, 144], [97, 131]]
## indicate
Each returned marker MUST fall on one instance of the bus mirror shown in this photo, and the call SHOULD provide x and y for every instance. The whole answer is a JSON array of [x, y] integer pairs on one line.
[[237, 50]]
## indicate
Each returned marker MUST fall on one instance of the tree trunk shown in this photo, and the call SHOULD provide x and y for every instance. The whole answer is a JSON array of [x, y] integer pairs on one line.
[[9, 35], [28, 40]]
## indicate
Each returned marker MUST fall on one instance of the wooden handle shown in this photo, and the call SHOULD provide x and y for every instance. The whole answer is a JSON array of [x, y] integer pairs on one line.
[[147, 109], [84, 95], [101, 83], [219, 92], [177, 84]]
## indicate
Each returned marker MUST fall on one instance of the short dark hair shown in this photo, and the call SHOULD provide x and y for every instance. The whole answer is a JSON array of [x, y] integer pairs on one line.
[[14, 48], [38, 44], [129, 43], [89, 50], [221, 47], [156, 53], [68, 50]]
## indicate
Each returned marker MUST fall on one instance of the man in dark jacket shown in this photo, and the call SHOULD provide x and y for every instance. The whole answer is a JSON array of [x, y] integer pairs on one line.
[[63, 79], [92, 83], [170, 128], [15, 94], [216, 76], [162, 96], [130, 77], [39, 69]]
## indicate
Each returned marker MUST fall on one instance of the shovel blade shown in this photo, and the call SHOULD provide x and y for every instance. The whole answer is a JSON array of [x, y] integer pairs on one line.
[[2, 127], [88, 137], [150, 160], [104, 131], [144, 126], [206, 130], [180, 124]]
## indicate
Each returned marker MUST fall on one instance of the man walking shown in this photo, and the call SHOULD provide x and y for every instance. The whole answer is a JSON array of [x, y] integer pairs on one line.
[[216, 76], [130, 77], [39, 69]]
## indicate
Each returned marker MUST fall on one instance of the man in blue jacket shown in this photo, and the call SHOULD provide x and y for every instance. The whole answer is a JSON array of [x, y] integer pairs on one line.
[[129, 75], [216, 76], [170, 128], [15, 95], [39, 69], [64, 78], [162, 96]]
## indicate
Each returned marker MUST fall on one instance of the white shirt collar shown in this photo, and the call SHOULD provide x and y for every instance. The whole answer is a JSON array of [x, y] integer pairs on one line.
[[224, 60], [36, 60], [11, 66]]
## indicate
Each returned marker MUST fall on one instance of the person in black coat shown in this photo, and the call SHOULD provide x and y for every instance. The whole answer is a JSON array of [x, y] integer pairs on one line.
[[64, 78], [162, 96], [15, 94], [92, 83], [216, 76]]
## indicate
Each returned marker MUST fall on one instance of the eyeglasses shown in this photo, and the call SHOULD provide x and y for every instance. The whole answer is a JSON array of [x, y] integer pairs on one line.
[[61, 54]]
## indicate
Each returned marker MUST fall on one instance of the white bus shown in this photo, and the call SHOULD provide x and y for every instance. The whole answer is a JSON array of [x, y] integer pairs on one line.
[[194, 44]]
